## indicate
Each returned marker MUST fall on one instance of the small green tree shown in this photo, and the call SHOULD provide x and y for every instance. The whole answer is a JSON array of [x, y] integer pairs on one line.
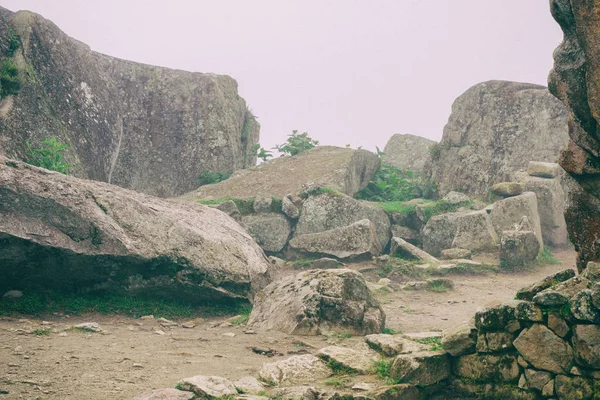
[[264, 154], [9, 78], [49, 155], [297, 143]]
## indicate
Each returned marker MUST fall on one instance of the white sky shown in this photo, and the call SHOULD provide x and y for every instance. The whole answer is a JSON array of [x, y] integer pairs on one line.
[[347, 71]]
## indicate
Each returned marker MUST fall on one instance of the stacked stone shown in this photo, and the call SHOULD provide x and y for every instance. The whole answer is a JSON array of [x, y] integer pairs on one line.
[[545, 344]]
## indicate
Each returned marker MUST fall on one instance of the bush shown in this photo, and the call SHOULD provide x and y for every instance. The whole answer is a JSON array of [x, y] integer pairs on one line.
[[393, 184], [208, 177], [435, 150], [9, 78], [264, 154], [14, 42], [297, 143], [49, 155]]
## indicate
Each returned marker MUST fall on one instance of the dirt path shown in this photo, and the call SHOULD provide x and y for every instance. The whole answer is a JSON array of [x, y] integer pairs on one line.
[[130, 357]]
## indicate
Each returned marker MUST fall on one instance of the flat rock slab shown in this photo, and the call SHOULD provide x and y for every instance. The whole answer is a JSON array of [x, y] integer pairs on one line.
[[392, 345], [166, 394], [357, 360], [208, 387], [425, 368], [295, 370]]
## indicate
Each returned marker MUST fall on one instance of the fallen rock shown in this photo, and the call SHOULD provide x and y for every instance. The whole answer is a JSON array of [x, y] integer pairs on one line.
[[507, 189], [508, 214], [230, 208], [208, 387], [89, 327], [456, 197], [388, 345], [318, 301], [327, 211], [345, 170], [102, 237], [407, 152], [298, 393], [460, 339], [528, 292], [562, 292], [270, 230], [455, 254], [410, 235], [165, 394], [402, 247], [249, 384], [543, 169], [354, 360], [397, 392], [289, 208], [352, 241], [294, 370], [494, 130], [518, 249], [534, 343], [426, 368]]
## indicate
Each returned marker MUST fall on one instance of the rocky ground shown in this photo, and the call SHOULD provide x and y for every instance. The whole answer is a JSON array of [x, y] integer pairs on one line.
[[45, 358]]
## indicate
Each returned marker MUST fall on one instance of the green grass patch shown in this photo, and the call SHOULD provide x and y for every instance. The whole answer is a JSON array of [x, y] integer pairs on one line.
[[342, 335], [41, 332], [39, 304], [442, 207], [339, 368], [390, 331], [339, 382], [435, 342], [437, 287], [394, 184], [382, 368], [244, 316], [302, 263], [546, 258], [399, 207], [208, 177], [245, 206]]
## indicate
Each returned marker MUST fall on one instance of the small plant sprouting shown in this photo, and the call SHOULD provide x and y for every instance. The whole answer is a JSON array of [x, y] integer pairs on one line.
[[49, 155], [243, 317], [297, 143], [41, 332]]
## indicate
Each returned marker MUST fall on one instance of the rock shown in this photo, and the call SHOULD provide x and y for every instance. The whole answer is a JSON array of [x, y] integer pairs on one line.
[[495, 128], [543, 169], [586, 344], [249, 384], [345, 170], [262, 204], [592, 272], [534, 343], [89, 327], [537, 379], [151, 129], [527, 311], [582, 308], [165, 394], [562, 292], [518, 249], [467, 230], [208, 387], [328, 211], [460, 339], [548, 389], [318, 301], [102, 237], [410, 235], [12, 295], [358, 361], [402, 247], [596, 295], [298, 393], [456, 197], [494, 318], [507, 189], [508, 214], [289, 208], [528, 292], [397, 392], [230, 208], [487, 367], [551, 199], [388, 345], [294, 370], [496, 342], [407, 152], [572, 388], [557, 324], [356, 240], [424, 368], [270, 230], [455, 254], [326, 263]]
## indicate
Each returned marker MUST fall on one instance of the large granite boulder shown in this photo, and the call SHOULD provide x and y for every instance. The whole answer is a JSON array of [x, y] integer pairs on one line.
[[270, 230], [470, 230], [334, 210], [494, 130], [575, 79], [317, 302], [407, 152], [148, 128], [345, 170], [62, 233], [508, 214]]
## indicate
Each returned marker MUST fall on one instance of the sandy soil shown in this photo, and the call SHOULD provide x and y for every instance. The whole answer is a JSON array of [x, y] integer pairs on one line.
[[130, 357]]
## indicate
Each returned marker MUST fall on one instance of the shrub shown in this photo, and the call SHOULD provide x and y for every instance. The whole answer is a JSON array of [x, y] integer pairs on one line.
[[264, 154], [49, 155], [297, 143], [208, 177], [435, 150], [14, 42], [394, 184], [9, 78]]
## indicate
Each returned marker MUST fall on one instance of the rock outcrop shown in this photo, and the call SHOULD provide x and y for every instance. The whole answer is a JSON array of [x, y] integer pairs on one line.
[[345, 170], [494, 130], [148, 128], [575, 79], [63, 233], [317, 302], [407, 152]]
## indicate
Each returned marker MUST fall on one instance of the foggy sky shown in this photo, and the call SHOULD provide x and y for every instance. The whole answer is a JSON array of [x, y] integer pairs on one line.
[[347, 71]]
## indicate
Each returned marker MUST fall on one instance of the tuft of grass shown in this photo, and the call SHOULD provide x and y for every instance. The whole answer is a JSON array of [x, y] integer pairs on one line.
[[442, 207], [342, 335], [244, 316], [546, 258], [38, 304], [323, 190], [382, 368], [245, 206], [435, 342], [208, 177], [436, 287], [41, 332], [339, 368], [390, 331], [339, 382], [302, 263], [396, 207]]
